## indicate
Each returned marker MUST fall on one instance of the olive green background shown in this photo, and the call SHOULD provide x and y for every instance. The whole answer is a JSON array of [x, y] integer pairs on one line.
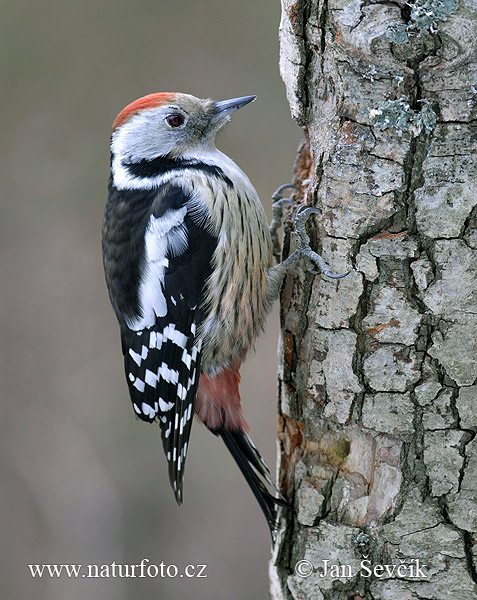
[[82, 481]]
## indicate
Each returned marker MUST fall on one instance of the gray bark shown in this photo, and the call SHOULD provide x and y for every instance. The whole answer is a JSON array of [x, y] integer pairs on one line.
[[377, 384]]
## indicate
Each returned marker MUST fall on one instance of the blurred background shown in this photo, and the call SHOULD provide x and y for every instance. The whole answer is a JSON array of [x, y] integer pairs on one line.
[[82, 481]]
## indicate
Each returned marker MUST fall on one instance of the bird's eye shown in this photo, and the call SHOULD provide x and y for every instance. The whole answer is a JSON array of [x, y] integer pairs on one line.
[[175, 120]]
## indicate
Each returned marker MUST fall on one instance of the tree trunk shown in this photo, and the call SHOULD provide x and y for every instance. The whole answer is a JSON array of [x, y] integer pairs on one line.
[[377, 384]]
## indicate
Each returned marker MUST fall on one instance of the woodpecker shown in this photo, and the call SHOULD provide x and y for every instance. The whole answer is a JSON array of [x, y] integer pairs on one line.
[[188, 259]]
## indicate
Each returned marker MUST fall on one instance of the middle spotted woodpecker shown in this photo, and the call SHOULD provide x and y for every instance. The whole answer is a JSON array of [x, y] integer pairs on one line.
[[188, 259]]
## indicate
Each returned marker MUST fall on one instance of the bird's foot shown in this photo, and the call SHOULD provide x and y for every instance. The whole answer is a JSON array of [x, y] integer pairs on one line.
[[304, 250]]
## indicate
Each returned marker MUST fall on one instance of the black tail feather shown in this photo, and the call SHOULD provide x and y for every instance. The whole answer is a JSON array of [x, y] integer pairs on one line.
[[255, 471]]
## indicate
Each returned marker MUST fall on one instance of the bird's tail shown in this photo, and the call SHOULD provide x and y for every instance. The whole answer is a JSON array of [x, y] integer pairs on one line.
[[255, 471]]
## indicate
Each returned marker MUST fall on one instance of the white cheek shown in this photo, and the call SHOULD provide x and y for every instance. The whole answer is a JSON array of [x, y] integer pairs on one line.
[[144, 136]]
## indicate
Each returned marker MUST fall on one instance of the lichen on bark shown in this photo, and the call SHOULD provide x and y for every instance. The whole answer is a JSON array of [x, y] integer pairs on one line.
[[377, 383]]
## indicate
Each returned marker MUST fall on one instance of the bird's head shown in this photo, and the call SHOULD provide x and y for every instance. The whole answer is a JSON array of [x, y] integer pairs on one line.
[[170, 125]]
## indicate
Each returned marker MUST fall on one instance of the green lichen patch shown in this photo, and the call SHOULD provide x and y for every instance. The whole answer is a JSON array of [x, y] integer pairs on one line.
[[425, 17], [398, 115]]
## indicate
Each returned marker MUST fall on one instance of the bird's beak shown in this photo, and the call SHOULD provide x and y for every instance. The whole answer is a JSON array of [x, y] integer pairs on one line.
[[225, 107]]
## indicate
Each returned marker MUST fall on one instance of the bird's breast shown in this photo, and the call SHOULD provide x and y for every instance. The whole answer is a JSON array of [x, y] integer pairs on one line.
[[235, 295]]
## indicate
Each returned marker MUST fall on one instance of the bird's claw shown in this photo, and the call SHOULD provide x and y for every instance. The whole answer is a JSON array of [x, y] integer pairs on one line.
[[303, 209], [311, 258], [301, 218], [278, 193], [277, 206], [304, 250]]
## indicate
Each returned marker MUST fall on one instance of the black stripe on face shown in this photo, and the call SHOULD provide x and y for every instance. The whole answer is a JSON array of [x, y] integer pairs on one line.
[[161, 165]]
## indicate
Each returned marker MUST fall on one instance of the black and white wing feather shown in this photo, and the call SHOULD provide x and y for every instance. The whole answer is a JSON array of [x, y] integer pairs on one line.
[[170, 262], [162, 365]]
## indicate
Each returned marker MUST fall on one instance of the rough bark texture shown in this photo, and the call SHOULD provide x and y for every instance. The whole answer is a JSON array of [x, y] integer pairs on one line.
[[378, 378]]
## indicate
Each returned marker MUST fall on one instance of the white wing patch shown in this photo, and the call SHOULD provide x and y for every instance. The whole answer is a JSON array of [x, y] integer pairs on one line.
[[164, 235]]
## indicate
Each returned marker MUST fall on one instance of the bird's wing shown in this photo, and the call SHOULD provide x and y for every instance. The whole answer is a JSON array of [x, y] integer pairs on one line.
[[161, 348]]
